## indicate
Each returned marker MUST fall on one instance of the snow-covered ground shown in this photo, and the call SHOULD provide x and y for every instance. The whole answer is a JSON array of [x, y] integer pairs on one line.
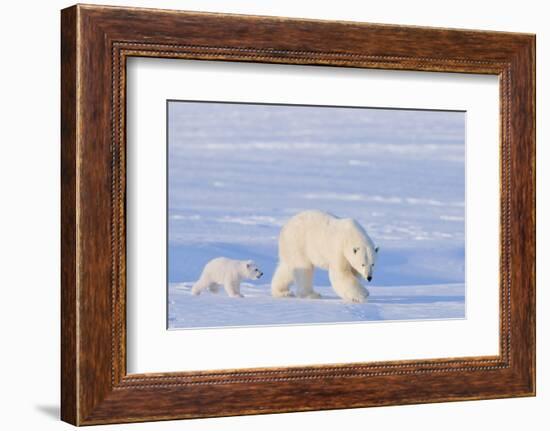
[[237, 172], [259, 308]]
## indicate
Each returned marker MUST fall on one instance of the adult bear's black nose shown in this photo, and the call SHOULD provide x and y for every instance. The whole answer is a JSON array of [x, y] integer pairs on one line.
[[369, 278]]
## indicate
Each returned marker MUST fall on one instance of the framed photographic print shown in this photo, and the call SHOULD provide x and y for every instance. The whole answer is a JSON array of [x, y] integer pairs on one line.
[[265, 214], [261, 182]]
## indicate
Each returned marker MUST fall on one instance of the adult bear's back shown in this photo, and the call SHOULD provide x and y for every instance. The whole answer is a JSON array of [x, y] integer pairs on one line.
[[304, 231]]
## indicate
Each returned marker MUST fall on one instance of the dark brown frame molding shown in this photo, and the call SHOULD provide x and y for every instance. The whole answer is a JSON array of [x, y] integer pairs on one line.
[[95, 43]]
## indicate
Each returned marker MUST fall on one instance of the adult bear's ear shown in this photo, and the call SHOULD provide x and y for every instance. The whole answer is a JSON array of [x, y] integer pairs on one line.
[[376, 249]]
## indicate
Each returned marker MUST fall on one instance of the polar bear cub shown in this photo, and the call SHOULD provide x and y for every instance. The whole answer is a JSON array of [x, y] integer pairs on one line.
[[316, 239], [228, 273]]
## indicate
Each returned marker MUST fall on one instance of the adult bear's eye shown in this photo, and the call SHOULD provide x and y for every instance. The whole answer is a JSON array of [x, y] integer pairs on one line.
[[355, 250]]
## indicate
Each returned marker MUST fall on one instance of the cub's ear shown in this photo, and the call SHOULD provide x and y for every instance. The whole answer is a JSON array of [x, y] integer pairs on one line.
[[249, 263], [376, 249], [355, 250]]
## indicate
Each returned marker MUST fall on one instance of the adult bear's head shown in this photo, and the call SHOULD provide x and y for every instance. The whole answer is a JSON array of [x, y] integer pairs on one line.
[[359, 249]]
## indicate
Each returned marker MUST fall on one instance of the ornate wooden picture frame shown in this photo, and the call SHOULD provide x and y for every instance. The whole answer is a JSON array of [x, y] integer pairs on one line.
[[96, 41]]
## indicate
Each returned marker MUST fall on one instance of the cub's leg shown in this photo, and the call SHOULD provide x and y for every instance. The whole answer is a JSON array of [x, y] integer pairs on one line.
[[233, 288], [347, 286], [214, 287], [304, 283], [202, 284], [281, 281]]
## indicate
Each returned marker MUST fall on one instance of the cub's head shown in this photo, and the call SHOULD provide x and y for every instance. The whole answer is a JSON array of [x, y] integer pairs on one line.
[[359, 250], [251, 270]]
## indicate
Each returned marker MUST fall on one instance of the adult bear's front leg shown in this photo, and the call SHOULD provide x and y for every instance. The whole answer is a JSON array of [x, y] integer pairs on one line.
[[346, 285]]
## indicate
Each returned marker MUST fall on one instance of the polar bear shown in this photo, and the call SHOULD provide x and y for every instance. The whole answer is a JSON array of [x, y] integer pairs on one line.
[[317, 239], [226, 272]]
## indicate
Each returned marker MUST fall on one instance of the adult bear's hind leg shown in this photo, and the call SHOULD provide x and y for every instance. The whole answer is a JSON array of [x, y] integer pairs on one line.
[[282, 279], [304, 283]]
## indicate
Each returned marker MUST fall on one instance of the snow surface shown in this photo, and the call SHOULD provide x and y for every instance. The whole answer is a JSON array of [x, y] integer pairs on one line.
[[237, 172], [258, 308]]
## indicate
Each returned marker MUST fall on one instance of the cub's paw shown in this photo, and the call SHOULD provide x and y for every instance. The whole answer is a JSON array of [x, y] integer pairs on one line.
[[285, 294]]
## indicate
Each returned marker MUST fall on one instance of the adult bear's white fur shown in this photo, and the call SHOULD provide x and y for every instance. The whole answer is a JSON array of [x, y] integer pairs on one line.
[[228, 273], [317, 239]]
